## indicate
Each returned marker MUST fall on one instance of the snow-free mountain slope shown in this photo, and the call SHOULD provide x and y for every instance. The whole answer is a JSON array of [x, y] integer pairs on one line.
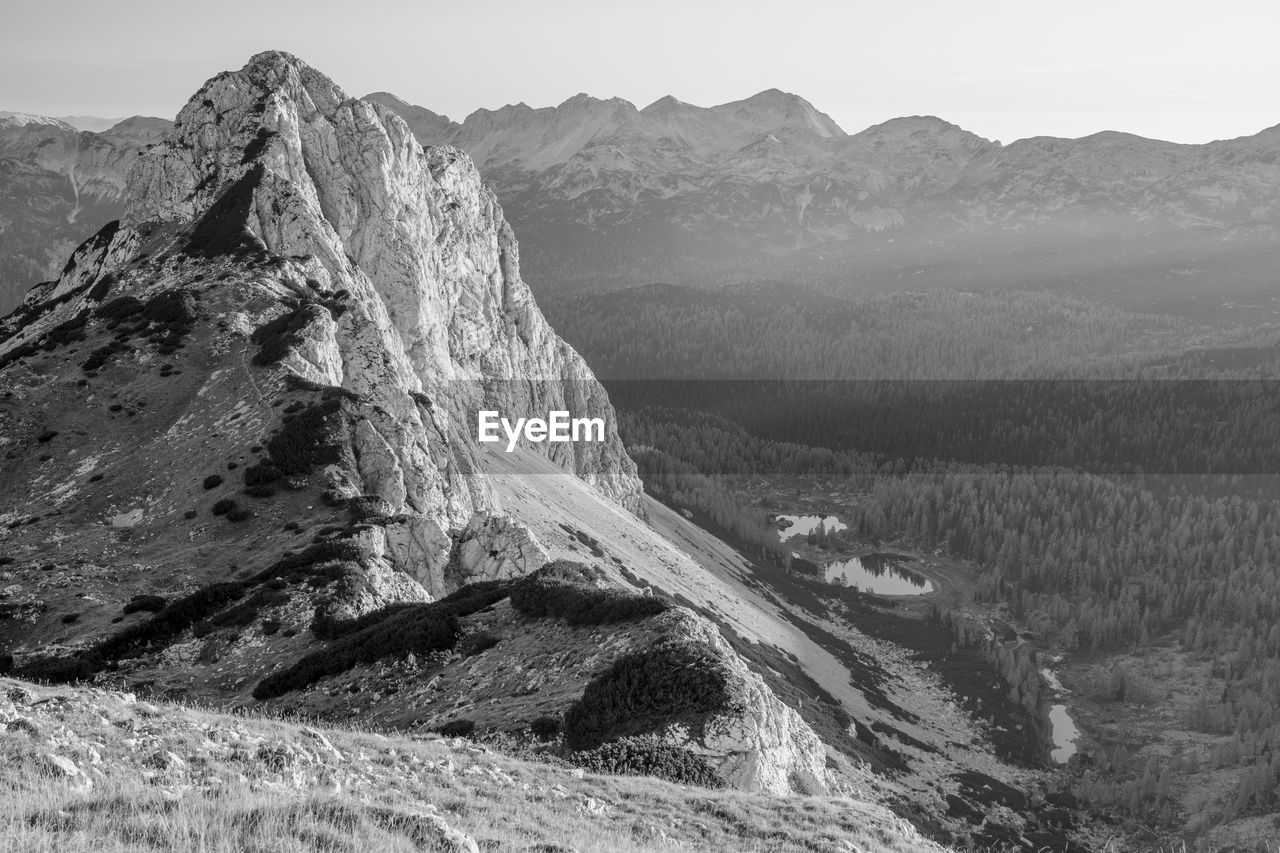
[[607, 195], [250, 400]]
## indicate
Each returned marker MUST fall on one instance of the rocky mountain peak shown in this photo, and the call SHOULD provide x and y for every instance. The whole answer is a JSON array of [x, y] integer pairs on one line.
[[13, 120], [430, 128], [301, 313], [665, 105], [774, 110], [411, 255]]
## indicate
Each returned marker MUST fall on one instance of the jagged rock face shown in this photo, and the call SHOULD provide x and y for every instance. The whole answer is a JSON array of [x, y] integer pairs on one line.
[[327, 305], [763, 745], [414, 236], [435, 322]]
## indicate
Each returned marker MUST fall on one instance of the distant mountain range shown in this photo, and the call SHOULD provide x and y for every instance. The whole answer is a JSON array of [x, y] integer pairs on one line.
[[604, 194], [58, 185]]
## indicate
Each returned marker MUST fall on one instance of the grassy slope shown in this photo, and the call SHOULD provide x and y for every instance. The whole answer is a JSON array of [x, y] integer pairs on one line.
[[252, 784]]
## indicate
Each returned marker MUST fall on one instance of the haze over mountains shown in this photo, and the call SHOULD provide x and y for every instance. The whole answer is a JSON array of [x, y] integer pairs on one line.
[[604, 194], [58, 184]]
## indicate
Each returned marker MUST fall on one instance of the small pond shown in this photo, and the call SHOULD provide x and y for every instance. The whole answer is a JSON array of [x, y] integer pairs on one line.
[[1064, 733], [803, 525], [880, 577]]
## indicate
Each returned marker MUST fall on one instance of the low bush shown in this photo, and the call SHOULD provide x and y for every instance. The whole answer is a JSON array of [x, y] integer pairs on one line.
[[572, 591], [247, 611], [648, 756], [307, 438], [62, 670], [475, 597], [276, 337], [147, 603], [173, 309], [545, 728], [309, 561], [325, 627], [457, 728], [239, 514], [394, 631], [213, 481], [223, 506], [260, 474], [172, 619], [477, 643], [646, 689], [120, 308], [420, 630]]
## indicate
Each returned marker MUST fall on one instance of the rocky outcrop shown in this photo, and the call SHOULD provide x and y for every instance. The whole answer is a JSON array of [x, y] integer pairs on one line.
[[393, 277], [309, 306], [760, 744]]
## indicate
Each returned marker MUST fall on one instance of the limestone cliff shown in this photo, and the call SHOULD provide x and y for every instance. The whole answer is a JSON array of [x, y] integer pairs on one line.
[[251, 401], [435, 321]]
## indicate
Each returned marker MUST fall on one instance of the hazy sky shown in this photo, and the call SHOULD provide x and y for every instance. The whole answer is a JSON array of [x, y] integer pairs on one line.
[[1173, 70]]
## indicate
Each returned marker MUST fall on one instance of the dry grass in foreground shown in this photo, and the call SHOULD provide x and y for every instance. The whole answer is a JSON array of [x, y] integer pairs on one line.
[[84, 769]]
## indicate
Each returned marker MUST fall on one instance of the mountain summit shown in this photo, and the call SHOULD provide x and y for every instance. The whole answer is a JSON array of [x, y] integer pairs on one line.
[[241, 425]]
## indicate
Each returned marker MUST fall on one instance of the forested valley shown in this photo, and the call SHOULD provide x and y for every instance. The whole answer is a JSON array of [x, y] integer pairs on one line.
[[1111, 476]]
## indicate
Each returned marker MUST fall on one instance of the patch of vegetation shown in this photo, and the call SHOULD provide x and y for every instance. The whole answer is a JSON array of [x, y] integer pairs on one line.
[[120, 308], [264, 490], [545, 728], [478, 643], [571, 591], [173, 619], [62, 670], [307, 438], [247, 611], [457, 728], [308, 562], [66, 332], [325, 627], [213, 481], [276, 337], [419, 629], [145, 603], [223, 506], [261, 474], [100, 356], [648, 756], [172, 309], [646, 689], [47, 435]]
